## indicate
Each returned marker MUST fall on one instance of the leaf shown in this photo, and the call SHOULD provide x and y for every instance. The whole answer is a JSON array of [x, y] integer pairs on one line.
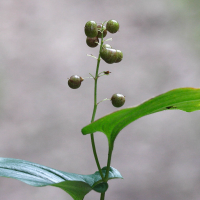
[[76, 185], [186, 99]]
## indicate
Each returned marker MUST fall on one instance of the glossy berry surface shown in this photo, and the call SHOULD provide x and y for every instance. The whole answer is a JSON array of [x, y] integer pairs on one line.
[[119, 56], [75, 81], [91, 29], [108, 55], [92, 42], [99, 32], [106, 46], [118, 100], [112, 26]]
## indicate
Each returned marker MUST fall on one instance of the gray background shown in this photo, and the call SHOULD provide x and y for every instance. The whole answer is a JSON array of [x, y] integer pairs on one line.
[[42, 43]]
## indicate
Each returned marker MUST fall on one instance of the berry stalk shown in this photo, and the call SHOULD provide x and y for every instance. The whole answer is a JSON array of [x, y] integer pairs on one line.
[[110, 56], [95, 108]]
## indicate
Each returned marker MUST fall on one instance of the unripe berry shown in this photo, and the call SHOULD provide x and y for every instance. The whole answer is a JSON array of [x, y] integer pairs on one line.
[[99, 31], [106, 46], [119, 56], [118, 100], [108, 55], [112, 26], [74, 81], [112, 56], [91, 29], [92, 42]]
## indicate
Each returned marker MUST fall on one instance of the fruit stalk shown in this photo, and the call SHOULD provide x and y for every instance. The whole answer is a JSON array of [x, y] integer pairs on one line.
[[95, 109]]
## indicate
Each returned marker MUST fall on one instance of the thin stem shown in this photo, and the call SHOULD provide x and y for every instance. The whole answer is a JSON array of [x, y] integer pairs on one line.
[[108, 162], [102, 196], [91, 56], [109, 39], [95, 155], [103, 100], [95, 109], [92, 76]]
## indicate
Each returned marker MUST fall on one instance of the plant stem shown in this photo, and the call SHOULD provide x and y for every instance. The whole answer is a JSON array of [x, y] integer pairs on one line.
[[94, 111], [95, 155], [102, 196], [107, 169], [108, 162], [105, 179]]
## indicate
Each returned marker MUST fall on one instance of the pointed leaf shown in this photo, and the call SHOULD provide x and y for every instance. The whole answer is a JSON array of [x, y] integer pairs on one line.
[[186, 99], [76, 185]]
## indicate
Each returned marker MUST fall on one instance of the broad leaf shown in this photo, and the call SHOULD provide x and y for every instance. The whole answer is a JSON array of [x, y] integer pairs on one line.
[[186, 99], [76, 185]]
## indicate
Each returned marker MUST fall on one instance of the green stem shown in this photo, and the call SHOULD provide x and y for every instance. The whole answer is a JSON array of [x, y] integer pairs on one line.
[[95, 109], [95, 155], [102, 196], [108, 162]]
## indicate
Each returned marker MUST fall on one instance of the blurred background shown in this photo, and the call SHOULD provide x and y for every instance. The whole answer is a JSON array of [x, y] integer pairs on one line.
[[42, 43]]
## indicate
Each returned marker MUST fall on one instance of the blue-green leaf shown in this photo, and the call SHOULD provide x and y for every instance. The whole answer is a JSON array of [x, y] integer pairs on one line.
[[76, 185]]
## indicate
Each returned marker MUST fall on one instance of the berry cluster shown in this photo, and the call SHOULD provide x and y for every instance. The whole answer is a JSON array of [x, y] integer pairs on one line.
[[94, 32], [107, 53]]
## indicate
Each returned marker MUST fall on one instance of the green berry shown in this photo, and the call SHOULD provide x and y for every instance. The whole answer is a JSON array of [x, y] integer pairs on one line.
[[92, 42], [74, 81], [118, 100], [108, 55], [99, 31], [112, 56], [112, 26], [91, 29], [106, 46], [119, 56]]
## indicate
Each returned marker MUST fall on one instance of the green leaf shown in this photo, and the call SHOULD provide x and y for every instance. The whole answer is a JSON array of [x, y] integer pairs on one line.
[[76, 185], [186, 99]]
